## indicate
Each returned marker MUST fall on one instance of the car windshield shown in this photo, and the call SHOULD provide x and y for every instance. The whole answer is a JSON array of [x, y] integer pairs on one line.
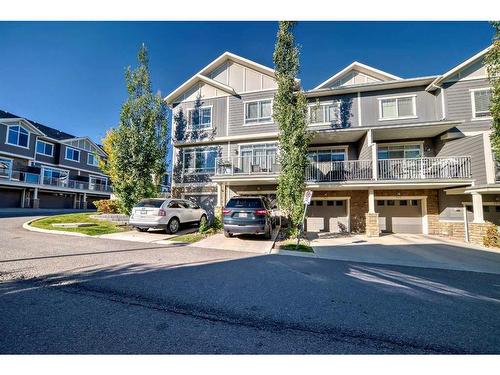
[[150, 203], [245, 203]]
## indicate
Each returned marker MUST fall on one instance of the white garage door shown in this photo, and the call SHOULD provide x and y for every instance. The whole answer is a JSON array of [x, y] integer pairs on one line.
[[327, 216], [400, 216]]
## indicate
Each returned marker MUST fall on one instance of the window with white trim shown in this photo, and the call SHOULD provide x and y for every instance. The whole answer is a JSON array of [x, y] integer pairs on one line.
[[406, 151], [200, 118], [258, 111], [92, 159], [44, 148], [397, 108], [17, 136], [324, 113], [56, 177], [5, 168], [199, 160], [259, 157], [481, 100], [72, 154]]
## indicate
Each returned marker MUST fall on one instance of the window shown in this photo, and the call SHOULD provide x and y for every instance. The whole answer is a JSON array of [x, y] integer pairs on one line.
[[324, 113], [260, 157], [5, 168], [390, 203], [199, 160], [497, 209], [481, 103], [200, 118], [245, 203], [92, 159], [380, 203], [339, 203], [18, 136], [397, 108], [44, 148], [414, 202], [486, 208], [55, 177], [98, 183], [322, 156], [150, 203], [330, 203], [72, 154], [319, 203], [407, 151], [258, 111], [403, 203]]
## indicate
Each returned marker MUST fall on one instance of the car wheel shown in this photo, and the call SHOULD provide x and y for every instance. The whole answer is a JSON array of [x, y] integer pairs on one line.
[[173, 225], [141, 229], [227, 234], [203, 219]]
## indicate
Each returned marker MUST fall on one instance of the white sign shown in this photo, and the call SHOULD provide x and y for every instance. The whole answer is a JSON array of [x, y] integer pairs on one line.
[[307, 197]]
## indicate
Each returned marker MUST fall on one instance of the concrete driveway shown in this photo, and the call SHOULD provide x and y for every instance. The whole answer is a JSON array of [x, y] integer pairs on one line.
[[246, 243], [408, 250], [151, 236]]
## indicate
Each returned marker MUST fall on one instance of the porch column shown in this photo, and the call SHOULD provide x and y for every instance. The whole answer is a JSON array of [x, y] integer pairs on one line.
[[23, 198], [373, 146], [84, 203], [219, 195], [371, 201], [477, 207], [371, 217], [75, 201], [36, 201]]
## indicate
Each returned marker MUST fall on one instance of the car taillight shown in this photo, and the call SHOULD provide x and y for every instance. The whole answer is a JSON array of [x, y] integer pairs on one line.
[[260, 212], [225, 211], [161, 212]]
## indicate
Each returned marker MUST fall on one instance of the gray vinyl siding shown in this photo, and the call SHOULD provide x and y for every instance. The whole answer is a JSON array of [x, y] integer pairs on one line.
[[21, 151], [451, 207], [426, 107], [364, 151], [467, 146], [49, 159], [219, 114], [458, 104], [82, 164], [237, 115], [348, 111]]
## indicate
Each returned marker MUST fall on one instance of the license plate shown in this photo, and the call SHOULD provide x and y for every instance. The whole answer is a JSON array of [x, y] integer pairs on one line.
[[144, 212], [243, 214]]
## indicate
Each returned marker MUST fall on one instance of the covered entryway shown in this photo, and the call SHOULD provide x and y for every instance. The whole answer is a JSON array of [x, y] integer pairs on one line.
[[328, 215], [400, 215], [55, 200]]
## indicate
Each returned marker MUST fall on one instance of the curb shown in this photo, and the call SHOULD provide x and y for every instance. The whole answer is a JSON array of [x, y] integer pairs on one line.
[[27, 226]]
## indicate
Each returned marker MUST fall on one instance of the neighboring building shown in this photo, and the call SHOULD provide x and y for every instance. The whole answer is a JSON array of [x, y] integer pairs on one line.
[[388, 154], [41, 167]]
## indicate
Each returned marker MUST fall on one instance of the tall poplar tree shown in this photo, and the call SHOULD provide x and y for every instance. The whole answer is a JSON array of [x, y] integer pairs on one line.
[[492, 62], [139, 143], [290, 113]]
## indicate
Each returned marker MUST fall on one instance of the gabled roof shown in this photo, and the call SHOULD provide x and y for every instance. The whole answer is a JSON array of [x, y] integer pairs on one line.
[[362, 68], [98, 147], [435, 84], [202, 75], [7, 117]]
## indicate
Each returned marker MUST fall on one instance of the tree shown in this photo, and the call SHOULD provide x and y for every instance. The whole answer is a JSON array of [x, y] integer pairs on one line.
[[492, 61], [290, 113], [137, 148]]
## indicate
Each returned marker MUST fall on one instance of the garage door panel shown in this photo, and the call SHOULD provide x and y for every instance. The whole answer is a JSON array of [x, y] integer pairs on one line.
[[10, 198], [327, 216], [399, 218]]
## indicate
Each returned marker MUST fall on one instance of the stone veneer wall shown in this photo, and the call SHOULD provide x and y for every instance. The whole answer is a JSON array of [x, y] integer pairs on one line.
[[477, 231], [454, 230], [372, 225]]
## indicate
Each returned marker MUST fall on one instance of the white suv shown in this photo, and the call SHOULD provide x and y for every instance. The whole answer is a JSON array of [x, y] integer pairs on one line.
[[166, 214]]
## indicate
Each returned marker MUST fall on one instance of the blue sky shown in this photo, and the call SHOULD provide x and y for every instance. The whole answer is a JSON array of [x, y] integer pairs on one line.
[[70, 75]]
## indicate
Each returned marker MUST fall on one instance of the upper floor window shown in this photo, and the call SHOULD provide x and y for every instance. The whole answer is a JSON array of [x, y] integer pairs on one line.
[[18, 136], [328, 155], [44, 148], [92, 159], [481, 102], [324, 113], [5, 167], [200, 118], [199, 160], [258, 111], [401, 151], [397, 108], [72, 154]]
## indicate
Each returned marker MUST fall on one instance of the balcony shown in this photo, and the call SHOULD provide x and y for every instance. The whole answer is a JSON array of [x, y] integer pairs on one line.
[[435, 168], [247, 166], [22, 177], [352, 170]]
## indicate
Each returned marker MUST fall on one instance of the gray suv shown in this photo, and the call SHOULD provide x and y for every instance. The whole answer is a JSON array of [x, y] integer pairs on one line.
[[248, 215]]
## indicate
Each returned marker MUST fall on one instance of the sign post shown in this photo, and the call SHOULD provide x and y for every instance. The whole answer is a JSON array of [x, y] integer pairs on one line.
[[307, 201]]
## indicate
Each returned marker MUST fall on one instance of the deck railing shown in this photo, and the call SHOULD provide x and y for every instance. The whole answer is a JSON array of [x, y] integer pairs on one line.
[[351, 170], [247, 165], [431, 168]]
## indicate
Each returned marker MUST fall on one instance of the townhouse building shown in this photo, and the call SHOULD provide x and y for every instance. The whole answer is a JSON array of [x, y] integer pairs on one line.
[[42, 167], [388, 154]]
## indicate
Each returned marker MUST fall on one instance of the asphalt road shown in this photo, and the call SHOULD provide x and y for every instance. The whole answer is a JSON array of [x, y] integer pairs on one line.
[[61, 294]]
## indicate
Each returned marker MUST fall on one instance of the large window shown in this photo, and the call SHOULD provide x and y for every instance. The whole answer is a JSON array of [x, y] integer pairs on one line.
[[324, 113], [397, 108], [199, 160], [92, 159], [481, 103], [200, 118], [72, 154], [258, 111], [402, 151], [44, 148], [55, 177], [5, 168], [326, 156], [261, 157], [98, 183], [18, 136]]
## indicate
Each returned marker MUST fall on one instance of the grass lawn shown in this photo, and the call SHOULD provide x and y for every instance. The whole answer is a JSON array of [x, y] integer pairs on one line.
[[291, 245], [193, 237], [101, 227]]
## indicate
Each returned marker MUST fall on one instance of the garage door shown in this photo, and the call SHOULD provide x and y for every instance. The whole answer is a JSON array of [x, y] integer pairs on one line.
[[327, 216], [400, 216], [10, 198], [55, 200], [207, 202]]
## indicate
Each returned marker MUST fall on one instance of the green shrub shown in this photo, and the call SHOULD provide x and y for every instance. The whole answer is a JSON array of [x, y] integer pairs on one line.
[[212, 226], [107, 206], [491, 238]]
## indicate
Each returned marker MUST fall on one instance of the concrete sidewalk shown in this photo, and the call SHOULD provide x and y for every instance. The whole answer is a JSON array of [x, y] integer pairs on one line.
[[246, 243], [157, 237]]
